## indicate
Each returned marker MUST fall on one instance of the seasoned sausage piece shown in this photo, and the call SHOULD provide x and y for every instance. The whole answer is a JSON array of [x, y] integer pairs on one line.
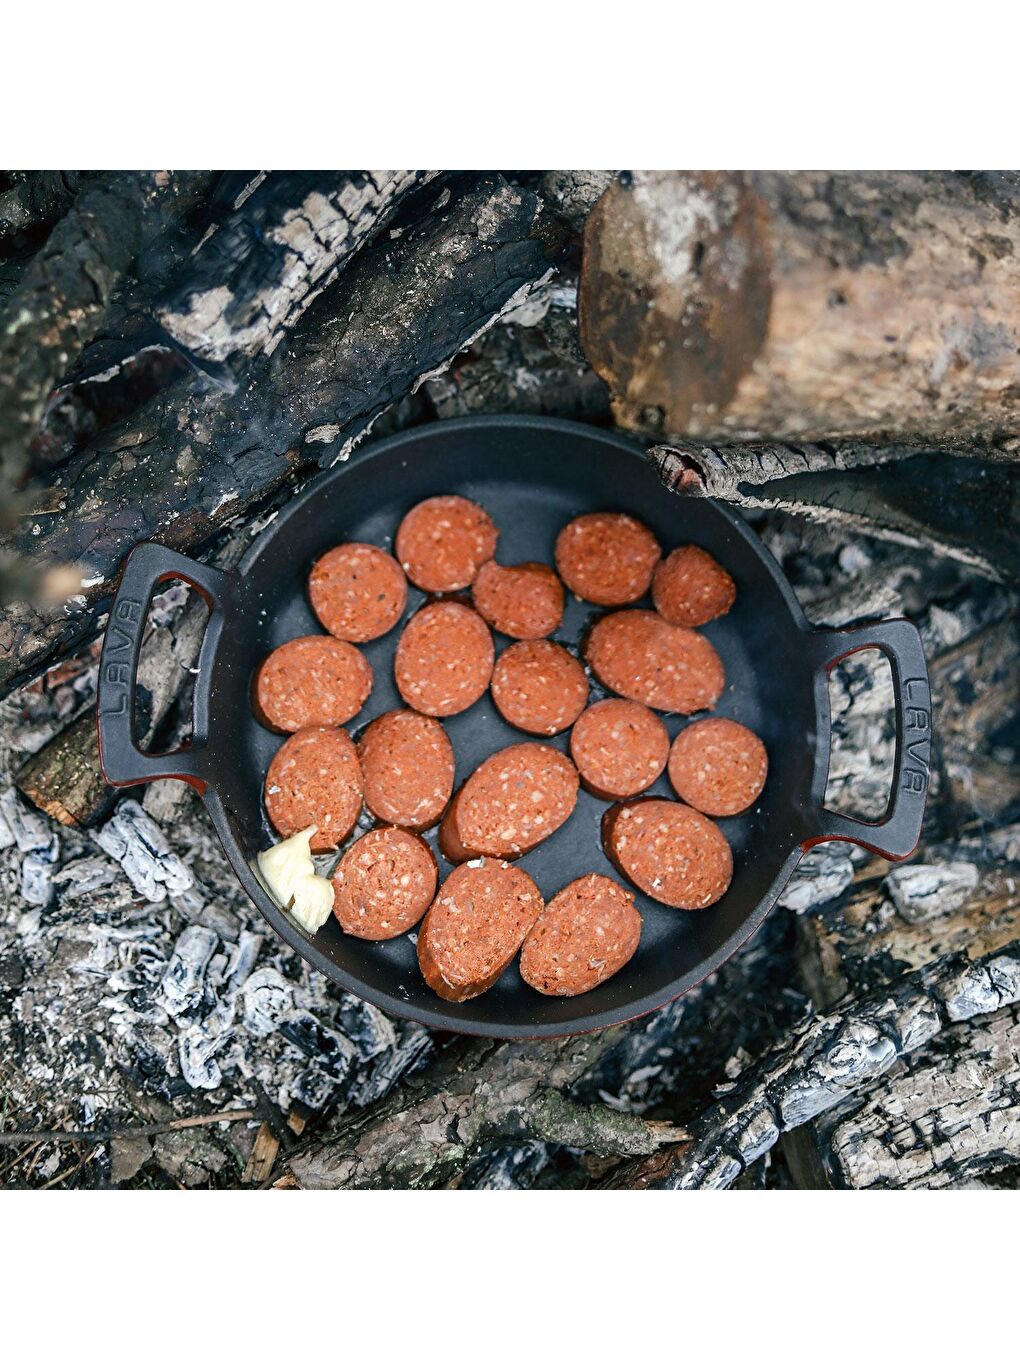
[[407, 761], [315, 780], [718, 766], [514, 800], [691, 588], [607, 558], [443, 541], [475, 927], [384, 884], [588, 931], [539, 687], [668, 851], [358, 591], [619, 747], [311, 682], [523, 602], [641, 656], [444, 658]]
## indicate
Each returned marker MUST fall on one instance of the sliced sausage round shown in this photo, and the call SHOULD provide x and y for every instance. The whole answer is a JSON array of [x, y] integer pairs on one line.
[[444, 659], [407, 761], [525, 601], [669, 851], [443, 541], [718, 766], [315, 780], [641, 656], [384, 884], [539, 687], [587, 932], [619, 747], [511, 803], [311, 682], [358, 591], [691, 588], [476, 925], [607, 558]]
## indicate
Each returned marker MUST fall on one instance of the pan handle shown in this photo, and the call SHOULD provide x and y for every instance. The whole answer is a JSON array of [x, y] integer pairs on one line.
[[896, 835], [121, 761]]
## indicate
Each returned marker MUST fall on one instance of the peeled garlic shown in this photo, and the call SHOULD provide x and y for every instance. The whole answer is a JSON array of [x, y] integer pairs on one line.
[[291, 877]]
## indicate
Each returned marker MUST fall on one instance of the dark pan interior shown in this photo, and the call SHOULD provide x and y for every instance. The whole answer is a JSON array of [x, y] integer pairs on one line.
[[532, 476]]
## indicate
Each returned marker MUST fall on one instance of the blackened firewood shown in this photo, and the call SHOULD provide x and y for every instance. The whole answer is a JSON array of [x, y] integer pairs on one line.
[[63, 294], [826, 1059], [948, 1113], [36, 201], [808, 306], [188, 462], [254, 277]]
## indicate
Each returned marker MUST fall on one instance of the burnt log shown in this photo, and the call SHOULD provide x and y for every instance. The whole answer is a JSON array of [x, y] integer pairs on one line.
[[946, 1114], [35, 202], [252, 279], [826, 1059], [882, 306], [965, 509], [64, 292], [186, 464]]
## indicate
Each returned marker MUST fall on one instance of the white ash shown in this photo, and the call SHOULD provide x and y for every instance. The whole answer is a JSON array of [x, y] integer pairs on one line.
[[822, 876], [921, 892], [134, 840]]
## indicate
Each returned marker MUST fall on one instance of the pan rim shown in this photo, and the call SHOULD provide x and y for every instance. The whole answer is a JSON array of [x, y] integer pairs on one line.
[[304, 945]]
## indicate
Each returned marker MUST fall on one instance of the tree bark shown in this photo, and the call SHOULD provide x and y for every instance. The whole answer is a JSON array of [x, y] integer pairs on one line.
[[185, 464], [808, 306]]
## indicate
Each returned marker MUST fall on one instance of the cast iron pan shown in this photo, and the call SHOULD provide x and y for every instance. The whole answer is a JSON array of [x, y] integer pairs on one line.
[[532, 475]]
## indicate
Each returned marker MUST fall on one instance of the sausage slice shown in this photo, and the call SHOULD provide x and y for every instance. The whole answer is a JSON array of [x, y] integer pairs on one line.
[[315, 780], [407, 761], [641, 656], [358, 591], [444, 658], [384, 884], [311, 682], [718, 766], [539, 687], [443, 541], [691, 588], [607, 558], [475, 927], [619, 747], [588, 931], [668, 851], [525, 601], [511, 803]]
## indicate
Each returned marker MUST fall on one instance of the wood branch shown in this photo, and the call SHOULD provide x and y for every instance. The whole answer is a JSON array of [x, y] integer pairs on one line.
[[808, 306], [476, 1095], [63, 294], [400, 314], [826, 1059], [946, 1114], [961, 508], [253, 278]]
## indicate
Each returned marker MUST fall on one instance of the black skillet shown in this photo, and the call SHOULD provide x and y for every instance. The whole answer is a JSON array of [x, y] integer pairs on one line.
[[532, 475]]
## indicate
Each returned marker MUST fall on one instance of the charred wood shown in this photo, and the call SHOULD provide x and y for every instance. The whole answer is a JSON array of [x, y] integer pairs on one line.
[[808, 306], [826, 1059], [64, 292], [35, 202]]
